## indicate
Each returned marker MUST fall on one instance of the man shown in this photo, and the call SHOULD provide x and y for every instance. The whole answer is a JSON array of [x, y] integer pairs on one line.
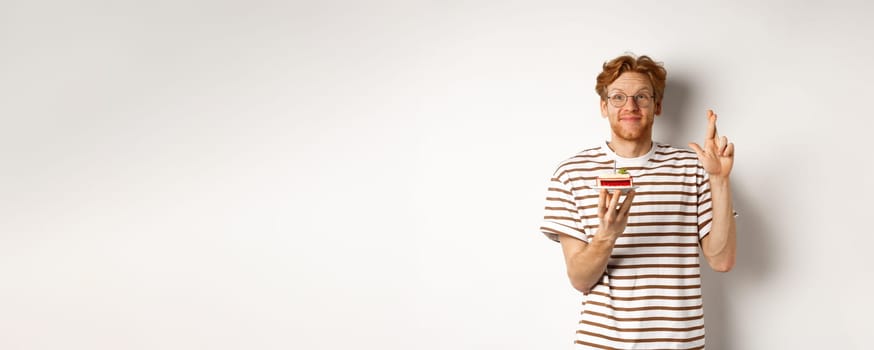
[[634, 256]]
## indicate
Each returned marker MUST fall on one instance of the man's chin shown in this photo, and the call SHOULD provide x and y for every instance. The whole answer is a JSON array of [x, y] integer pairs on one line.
[[626, 135]]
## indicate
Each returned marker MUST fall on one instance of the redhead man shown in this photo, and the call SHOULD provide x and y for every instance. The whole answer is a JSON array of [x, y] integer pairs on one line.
[[633, 253]]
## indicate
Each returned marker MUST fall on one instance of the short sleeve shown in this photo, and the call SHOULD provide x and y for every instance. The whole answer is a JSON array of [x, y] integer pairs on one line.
[[561, 214], [705, 205]]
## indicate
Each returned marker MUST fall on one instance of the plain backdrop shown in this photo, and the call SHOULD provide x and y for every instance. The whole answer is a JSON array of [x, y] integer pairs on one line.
[[371, 174]]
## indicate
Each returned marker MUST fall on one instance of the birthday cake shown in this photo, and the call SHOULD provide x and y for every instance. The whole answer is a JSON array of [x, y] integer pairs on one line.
[[619, 179]]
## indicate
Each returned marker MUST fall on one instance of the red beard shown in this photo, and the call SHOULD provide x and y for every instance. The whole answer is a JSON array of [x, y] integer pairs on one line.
[[633, 131]]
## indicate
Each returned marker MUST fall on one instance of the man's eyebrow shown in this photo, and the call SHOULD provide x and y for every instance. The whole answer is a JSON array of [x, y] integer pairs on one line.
[[647, 89]]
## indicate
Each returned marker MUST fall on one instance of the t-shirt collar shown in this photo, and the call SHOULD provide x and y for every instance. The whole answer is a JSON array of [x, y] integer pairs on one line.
[[622, 162]]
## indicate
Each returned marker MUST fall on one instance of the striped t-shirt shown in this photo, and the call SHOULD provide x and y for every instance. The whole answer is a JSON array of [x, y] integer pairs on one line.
[[650, 295]]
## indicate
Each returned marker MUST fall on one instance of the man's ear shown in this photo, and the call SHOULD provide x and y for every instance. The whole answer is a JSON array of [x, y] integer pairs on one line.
[[658, 108], [604, 109]]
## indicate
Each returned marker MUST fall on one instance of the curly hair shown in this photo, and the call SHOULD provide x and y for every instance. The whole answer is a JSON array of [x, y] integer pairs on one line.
[[628, 63]]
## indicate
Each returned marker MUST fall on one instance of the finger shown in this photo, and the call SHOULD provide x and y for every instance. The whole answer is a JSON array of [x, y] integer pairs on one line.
[[729, 150], [602, 202], [626, 205], [723, 143], [715, 127], [614, 200], [711, 125]]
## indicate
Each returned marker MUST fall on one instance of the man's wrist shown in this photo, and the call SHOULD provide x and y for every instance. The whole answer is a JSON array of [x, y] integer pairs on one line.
[[603, 239], [720, 181]]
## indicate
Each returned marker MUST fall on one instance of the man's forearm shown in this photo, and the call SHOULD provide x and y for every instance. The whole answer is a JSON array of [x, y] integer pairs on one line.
[[720, 248], [589, 264]]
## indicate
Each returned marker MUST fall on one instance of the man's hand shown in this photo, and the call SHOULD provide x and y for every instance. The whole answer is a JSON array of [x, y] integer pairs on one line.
[[717, 156], [613, 218]]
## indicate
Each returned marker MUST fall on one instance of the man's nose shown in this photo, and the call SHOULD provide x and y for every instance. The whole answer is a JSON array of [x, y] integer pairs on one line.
[[631, 103]]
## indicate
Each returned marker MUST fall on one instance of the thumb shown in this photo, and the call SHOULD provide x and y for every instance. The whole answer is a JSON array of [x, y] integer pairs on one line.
[[696, 148]]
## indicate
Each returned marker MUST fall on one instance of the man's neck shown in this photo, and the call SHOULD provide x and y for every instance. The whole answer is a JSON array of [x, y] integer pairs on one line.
[[630, 148]]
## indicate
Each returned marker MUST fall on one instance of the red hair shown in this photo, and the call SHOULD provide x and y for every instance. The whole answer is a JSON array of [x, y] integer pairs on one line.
[[627, 63]]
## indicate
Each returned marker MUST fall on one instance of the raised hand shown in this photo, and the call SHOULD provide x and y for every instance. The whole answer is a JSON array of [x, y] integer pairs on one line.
[[717, 155]]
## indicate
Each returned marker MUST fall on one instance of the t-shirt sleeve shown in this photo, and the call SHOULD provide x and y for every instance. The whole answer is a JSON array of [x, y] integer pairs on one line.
[[705, 205], [561, 214]]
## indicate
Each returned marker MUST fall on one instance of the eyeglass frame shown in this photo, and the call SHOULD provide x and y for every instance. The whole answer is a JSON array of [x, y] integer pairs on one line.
[[637, 98]]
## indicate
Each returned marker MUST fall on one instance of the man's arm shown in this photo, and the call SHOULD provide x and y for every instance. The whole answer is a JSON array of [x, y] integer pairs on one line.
[[717, 158], [719, 246], [586, 263]]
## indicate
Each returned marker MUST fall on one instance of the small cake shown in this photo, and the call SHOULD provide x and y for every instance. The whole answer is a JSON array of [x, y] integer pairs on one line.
[[619, 179]]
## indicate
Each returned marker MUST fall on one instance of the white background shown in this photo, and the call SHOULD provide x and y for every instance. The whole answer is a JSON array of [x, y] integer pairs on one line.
[[338, 175]]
